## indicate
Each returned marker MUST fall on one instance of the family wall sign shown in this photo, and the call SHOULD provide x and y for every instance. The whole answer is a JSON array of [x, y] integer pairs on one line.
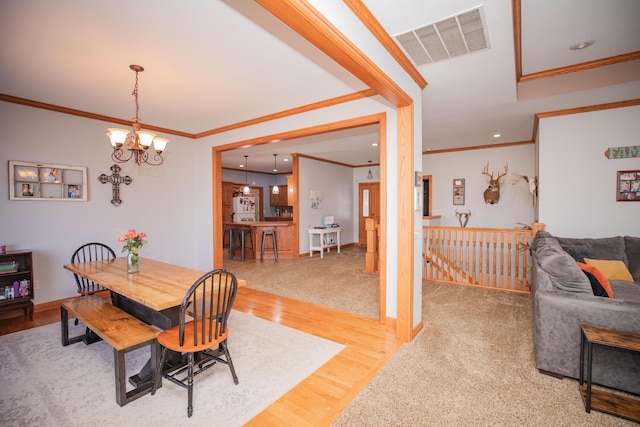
[[622, 152]]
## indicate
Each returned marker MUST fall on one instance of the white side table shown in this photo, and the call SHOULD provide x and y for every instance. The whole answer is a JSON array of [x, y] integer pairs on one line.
[[325, 240]]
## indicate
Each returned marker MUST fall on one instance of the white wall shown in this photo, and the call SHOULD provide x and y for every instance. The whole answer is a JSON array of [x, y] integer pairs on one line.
[[578, 184], [335, 182], [515, 204], [161, 201]]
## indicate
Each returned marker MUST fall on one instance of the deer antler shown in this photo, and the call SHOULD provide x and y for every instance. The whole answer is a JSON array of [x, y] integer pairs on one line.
[[486, 171], [518, 178], [500, 175]]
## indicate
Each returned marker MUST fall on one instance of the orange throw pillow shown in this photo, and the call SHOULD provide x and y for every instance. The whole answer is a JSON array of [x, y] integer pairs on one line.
[[599, 276], [611, 268]]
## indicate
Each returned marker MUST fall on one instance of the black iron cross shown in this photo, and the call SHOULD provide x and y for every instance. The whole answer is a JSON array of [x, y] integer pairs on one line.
[[115, 179]]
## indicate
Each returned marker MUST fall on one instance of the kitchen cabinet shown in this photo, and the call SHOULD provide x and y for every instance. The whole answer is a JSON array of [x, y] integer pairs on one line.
[[16, 282], [279, 199]]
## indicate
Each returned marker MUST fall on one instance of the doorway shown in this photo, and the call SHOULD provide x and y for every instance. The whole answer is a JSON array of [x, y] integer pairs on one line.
[[368, 207]]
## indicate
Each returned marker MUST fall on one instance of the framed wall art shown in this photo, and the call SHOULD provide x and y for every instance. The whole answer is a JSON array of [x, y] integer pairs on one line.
[[458, 191], [44, 181], [628, 186]]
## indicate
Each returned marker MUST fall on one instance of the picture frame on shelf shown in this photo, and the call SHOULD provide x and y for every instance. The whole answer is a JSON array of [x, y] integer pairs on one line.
[[628, 186], [49, 175], [73, 191], [28, 189]]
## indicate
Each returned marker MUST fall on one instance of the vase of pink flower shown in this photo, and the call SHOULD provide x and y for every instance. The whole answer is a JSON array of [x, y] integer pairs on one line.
[[132, 242]]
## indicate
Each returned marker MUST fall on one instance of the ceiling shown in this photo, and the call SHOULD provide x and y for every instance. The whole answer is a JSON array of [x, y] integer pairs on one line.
[[210, 64]]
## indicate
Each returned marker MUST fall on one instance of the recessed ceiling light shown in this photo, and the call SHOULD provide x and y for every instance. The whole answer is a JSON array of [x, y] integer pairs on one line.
[[375, 144], [496, 135], [582, 45], [285, 159]]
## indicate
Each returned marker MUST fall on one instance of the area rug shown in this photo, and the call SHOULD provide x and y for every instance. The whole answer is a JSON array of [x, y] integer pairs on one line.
[[46, 384]]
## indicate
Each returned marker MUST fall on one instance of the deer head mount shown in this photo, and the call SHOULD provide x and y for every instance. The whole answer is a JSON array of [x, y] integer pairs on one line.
[[532, 183], [492, 193], [463, 217]]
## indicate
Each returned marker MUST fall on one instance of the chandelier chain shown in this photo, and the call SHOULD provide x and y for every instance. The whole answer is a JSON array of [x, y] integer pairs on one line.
[[135, 94]]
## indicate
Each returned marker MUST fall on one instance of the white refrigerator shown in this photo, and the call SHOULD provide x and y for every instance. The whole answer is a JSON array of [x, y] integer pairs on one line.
[[244, 209]]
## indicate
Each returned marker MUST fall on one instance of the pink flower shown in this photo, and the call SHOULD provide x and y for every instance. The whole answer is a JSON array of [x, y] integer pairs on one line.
[[132, 241]]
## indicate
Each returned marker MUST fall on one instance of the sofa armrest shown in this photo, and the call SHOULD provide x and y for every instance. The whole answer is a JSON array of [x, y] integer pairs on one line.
[[557, 319]]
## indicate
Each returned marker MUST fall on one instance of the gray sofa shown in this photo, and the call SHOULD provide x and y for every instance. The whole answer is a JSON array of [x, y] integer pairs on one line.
[[564, 298]]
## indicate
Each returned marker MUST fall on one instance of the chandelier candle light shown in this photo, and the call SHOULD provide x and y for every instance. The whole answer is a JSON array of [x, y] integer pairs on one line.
[[132, 241], [138, 144], [275, 189], [246, 190]]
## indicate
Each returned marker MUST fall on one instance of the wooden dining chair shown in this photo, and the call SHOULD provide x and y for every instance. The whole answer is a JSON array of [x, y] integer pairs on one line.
[[202, 331], [90, 252]]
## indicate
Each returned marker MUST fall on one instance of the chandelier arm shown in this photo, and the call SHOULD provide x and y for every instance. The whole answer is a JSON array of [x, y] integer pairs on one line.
[[118, 155]]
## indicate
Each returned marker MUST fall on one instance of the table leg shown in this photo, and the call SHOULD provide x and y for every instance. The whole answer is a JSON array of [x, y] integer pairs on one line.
[[582, 342], [589, 360], [164, 319]]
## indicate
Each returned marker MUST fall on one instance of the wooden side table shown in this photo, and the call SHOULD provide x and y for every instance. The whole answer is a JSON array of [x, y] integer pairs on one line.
[[602, 400]]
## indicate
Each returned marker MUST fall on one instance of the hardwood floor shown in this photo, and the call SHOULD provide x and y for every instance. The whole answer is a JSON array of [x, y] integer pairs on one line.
[[320, 398]]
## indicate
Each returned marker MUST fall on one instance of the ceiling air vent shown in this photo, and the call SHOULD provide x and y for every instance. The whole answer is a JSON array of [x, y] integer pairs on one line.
[[451, 37]]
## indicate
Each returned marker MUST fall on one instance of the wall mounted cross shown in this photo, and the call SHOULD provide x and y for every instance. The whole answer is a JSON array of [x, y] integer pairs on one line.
[[115, 179]]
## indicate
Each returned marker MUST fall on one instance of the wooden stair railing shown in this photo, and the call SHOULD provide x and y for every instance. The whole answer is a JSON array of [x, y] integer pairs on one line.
[[487, 257], [371, 257]]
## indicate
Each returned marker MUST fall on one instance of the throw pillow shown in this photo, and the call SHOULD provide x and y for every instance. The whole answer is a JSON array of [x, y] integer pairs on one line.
[[612, 269], [579, 252], [600, 285]]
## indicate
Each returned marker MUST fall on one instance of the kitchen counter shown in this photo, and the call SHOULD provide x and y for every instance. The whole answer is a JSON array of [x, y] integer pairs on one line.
[[285, 234]]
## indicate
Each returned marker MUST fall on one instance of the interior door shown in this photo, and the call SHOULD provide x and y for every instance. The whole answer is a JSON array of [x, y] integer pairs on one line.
[[369, 207]]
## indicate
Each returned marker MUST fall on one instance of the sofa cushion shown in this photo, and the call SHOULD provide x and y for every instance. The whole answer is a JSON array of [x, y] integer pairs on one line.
[[603, 248], [563, 271], [612, 269], [579, 252], [632, 247], [599, 283], [627, 291]]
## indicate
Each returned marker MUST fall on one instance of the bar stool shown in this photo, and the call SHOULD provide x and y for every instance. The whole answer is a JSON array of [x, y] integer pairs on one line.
[[242, 234], [272, 234]]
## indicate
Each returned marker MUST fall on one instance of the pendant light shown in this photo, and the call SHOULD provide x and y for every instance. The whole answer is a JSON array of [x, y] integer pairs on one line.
[[246, 189], [275, 189], [369, 175]]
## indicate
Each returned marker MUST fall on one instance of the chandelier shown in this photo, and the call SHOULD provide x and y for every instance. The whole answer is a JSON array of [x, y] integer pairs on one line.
[[369, 175], [275, 189], [138, 144]]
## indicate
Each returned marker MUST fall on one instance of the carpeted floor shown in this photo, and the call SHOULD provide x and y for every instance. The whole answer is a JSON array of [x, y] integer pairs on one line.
[[39, 388], [337, 280], [471, 365]]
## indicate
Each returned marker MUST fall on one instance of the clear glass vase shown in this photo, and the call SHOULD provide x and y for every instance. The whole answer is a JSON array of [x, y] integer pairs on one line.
[[132, 263]]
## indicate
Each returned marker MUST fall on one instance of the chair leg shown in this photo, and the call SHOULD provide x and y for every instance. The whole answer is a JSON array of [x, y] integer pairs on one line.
[[275, 245], [157, 375], [190, 385], [223, 347]]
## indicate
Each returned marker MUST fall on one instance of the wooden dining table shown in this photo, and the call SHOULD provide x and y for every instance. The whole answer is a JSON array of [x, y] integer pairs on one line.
[[154, 294]]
